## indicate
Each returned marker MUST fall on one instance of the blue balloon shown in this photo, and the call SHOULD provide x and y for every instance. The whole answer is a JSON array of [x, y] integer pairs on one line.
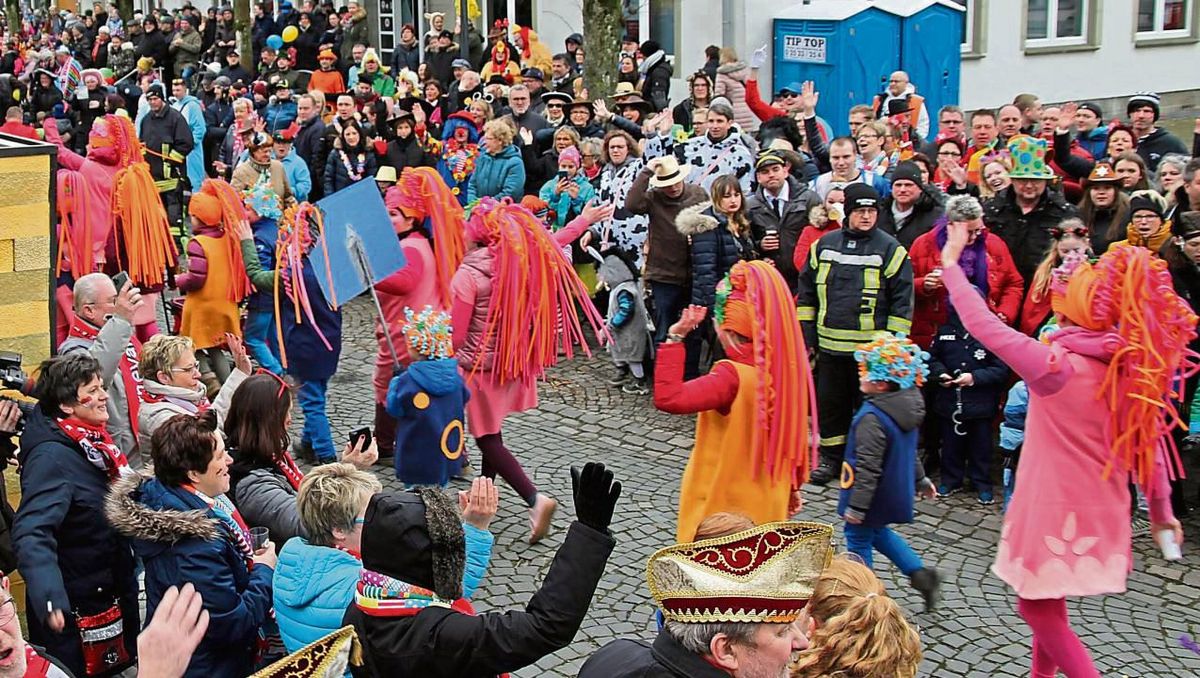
[[275, 41]]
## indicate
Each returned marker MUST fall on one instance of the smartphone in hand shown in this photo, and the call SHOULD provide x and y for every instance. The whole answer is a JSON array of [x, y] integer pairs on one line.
[[360, 435]]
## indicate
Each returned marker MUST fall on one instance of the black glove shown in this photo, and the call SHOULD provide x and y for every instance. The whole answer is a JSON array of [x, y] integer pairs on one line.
[[596, 494]]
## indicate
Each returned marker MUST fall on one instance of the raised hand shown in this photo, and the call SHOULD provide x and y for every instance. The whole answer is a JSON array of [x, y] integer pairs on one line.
[[165, 646], [595, 213], [956, 241], [596, 495], [1067, 117], [809, 97], [360, 457], [129, 300], [237, 348], [691, 318], [758, 58], [602, 112], [479, 504]]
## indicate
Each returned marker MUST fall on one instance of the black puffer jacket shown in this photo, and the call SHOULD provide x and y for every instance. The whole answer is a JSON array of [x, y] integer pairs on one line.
[[403, 153], [656, 88], [1027, 235], [715, 249], [925, 213]]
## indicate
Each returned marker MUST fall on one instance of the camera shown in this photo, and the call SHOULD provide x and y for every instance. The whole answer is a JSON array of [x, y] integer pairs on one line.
[[13, 377]]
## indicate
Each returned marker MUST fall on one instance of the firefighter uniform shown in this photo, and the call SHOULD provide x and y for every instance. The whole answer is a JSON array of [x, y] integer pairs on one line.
[[856, 284]]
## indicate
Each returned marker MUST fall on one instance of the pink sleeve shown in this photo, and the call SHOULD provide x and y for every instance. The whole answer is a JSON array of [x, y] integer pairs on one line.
[[1028, 357], [462, 290], [404, 280], [66, 157], [571, 232]]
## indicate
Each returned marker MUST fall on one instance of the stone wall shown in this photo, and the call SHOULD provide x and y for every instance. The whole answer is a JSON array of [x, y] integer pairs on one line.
[[26, 172]]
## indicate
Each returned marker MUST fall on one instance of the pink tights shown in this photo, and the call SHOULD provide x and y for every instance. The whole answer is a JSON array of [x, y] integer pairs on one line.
[[1055, 645]]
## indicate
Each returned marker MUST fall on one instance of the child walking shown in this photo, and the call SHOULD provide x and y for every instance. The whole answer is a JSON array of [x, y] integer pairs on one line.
[[427, 400], [881, 467], [971, 380]]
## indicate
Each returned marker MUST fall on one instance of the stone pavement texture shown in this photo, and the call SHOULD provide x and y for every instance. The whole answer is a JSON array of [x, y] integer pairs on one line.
[[974, 632]]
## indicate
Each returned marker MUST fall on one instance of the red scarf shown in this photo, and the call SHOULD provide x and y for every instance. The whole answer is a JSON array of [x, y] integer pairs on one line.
[[287, 466], [134, 392], [97, 446]]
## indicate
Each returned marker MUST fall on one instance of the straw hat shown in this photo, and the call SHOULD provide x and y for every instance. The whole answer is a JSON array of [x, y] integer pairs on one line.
[[666, 172]]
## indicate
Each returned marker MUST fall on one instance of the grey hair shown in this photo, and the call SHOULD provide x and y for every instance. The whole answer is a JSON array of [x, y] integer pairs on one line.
[[1177, 160], [963, 208], [87, 289], [696, 637], [330, 498], [721, 108], [1189, 172]]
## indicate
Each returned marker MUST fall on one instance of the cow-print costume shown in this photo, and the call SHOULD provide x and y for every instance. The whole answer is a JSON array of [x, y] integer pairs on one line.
[[707, 159], [627, 230]]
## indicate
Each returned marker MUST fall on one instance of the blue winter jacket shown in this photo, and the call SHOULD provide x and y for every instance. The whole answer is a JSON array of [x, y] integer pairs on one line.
[[298, 175], [565, 207], [713, 247], [427, 401], [308, 358], [181, 540], [1094, 142], [315, 584], [279, 115], [1012, 429], [500, 176]]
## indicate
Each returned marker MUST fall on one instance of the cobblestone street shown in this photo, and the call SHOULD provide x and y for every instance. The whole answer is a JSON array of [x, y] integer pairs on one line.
[[974, 632]]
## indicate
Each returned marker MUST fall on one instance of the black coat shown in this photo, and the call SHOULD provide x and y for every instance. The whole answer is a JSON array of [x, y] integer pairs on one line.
[[666, 658], [309, 145], [406, 56], [154, 45], [953, 351], [925, 213], [440, 66], [307, 44], [442, 642], [1027, 235], [656, 88], [795, 217], [337, 176], [165, 132], [67, 552], [403, 153], [714, 249]]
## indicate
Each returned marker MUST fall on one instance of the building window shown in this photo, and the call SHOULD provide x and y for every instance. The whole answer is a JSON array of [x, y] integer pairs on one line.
[[1158, 17], [972, 32], [1061, 22], [663, 24]]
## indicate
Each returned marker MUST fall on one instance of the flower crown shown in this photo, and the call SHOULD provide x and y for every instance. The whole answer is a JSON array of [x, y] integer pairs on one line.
[[429, 332], [894, 358]]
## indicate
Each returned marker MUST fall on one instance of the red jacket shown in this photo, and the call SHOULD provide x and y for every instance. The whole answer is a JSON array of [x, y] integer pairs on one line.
[[1005, 287], [19, 129]]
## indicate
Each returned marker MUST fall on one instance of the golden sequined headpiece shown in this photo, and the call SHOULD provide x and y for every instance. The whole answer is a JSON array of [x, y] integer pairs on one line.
[[765, 574]]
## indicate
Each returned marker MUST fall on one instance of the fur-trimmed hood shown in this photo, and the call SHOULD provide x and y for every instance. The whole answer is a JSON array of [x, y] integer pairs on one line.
[[155, 516], [697, 219]]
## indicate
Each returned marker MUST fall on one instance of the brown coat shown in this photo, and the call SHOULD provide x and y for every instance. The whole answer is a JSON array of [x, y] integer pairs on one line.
[[668, 258], [246, 175]]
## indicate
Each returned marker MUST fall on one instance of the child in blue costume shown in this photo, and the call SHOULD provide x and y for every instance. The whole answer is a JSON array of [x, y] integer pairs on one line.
[[427, 400], [881, 469], [264, 209]]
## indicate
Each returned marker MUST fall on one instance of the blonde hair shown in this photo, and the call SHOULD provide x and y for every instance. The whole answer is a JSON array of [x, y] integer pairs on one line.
[[722, 524], [501, 129], [861, 632], [160, 354], [330, 498], [728, 55], [1039, 286]]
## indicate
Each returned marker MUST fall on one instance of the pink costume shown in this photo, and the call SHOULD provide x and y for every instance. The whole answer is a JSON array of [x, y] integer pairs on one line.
[[1067, 531], [491, 399], [414, 286]]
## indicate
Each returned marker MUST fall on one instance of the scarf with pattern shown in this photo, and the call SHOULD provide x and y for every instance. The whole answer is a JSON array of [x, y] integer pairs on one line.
[[97, 446]]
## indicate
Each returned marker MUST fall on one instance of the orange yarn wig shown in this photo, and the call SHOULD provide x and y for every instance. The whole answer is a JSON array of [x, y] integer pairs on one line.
[[143, 230], [535, 293], [232, 212], [754, 301], [1129, 292], [422, 194]]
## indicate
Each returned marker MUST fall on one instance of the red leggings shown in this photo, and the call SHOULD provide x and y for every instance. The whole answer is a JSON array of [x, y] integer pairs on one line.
[[1055, 645], [498, 459]]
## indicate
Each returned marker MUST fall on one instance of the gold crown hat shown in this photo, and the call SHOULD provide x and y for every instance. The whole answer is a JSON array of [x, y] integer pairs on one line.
[[765, 574]]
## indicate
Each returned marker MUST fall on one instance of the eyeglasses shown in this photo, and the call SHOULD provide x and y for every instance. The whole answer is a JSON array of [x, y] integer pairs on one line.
[[554, 105], [1145, 217], [982, 230], [949, 154], [1059, 233], [194, 367], [360, 521]]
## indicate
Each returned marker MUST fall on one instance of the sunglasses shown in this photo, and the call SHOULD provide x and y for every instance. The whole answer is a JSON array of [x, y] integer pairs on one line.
[[282, 384], [1058, 233]]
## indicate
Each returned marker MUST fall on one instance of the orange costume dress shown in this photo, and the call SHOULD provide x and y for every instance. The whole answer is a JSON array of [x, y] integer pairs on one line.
[[216, 281], [754, 408]]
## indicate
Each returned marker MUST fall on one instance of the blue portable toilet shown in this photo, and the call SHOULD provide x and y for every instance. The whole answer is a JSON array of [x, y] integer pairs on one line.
[[930, 49], [846, 47]]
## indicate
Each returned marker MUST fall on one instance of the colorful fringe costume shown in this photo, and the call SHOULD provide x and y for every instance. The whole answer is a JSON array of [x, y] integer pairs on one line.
[[515, 305], [754, 441], [433, 249], [1067, 530], [216, 282], [300, 229]]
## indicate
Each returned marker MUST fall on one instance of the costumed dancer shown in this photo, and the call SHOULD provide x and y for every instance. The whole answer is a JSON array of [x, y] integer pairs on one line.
[[458, 153], [427, 399], [1123, 341], [264, 208], [308, 328], [215, 282], [110, 186], [429, 223], [515, 306], [760, 397]]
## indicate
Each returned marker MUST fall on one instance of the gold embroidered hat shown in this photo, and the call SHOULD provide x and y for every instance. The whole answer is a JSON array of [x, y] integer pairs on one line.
[[765, 574]]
